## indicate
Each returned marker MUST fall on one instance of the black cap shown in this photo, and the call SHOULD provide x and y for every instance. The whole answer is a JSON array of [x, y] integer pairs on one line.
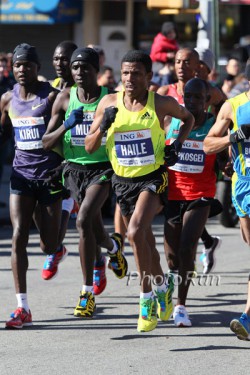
[[25, 52], [88, 55]]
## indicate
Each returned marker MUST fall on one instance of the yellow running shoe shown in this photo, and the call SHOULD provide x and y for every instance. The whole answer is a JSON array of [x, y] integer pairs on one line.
[[147, 319], [164, 300], [118, 263], [86, 306]]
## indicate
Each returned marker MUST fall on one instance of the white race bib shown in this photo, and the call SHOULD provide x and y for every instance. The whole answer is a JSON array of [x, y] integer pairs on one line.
[[134, 148]]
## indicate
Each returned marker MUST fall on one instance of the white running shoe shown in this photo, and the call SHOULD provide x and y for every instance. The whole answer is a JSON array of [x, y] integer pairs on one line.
[[208, 258], [180, 316]]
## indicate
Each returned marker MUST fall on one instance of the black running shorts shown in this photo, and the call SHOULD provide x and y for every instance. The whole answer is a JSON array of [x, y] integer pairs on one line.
[[127, 190], [78, 178], [174, 210], [45, 193]]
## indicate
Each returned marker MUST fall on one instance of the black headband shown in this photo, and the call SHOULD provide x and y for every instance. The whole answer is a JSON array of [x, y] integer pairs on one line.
[[88, 55], [25, 52]]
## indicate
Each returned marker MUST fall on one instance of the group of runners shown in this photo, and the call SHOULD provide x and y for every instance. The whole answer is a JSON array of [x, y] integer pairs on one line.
[[76, 141]]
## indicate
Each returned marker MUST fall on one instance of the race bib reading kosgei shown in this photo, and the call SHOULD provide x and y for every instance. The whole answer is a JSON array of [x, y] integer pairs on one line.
[[191, 157], [134, 148]]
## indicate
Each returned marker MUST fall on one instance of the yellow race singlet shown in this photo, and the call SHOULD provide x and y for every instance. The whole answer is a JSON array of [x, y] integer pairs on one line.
[[135, 141]]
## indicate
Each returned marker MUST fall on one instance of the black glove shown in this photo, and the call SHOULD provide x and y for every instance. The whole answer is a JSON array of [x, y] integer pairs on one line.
[[242, 133], [171, 153], [228, 170], [74, 118], [108, 118]]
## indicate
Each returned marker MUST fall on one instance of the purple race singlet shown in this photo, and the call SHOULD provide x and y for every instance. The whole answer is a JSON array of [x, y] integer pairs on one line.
[[30, 119]]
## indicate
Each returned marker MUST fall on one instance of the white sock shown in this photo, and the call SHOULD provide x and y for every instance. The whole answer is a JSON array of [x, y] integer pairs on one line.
[[22, 301], [87, 288], [67, 205], [147, 295], [115, 248]]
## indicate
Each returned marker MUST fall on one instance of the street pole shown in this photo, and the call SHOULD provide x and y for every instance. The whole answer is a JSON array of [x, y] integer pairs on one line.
[[215, 31], [208, 27]]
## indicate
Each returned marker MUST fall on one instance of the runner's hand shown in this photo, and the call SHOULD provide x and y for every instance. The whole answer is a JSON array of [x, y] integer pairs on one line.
[[108, 118], [55, 174], [171, 153], [74, 118], [242, 133]]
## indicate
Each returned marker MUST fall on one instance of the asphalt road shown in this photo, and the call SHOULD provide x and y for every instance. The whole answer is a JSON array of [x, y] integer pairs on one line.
[[110, 344]]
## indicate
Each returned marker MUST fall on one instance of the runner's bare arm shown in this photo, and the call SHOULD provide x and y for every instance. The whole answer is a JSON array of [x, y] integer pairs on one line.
[[53, 95], [163, 90], [94, 137], [168, 106], [217, 99], [5, 121], [218, 136], [56, 129]]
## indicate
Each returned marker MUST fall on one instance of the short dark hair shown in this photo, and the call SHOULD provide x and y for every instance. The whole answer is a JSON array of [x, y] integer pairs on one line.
[[138, 56], [198, 81], [192, 52], [67, 45]]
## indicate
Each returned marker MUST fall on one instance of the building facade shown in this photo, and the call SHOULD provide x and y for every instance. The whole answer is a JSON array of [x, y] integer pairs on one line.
[[116, 25]]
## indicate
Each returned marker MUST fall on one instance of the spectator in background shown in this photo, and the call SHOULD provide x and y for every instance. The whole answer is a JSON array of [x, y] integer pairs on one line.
[[206, 64], [242, 49], [241, 84], [105, 77], [228, 84], [235, 82], [233, 66], [9, 56], [162, 53], [6, 80], [232, 70], [100, 52], [213, 76]]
